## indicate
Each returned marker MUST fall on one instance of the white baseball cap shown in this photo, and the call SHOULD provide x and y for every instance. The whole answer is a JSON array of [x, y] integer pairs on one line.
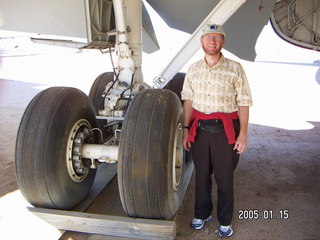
[[213, 28]]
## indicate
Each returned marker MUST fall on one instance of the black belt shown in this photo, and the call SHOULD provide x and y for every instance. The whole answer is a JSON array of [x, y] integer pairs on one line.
[[211, 126], [210, 122]]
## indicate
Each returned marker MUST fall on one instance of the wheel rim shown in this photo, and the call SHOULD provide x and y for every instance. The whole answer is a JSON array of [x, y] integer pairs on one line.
[[78, 168], [177, 166]]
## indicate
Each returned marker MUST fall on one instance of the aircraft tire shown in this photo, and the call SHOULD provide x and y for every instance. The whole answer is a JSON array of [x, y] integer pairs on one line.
[[151, 161], [176, 84], [95, 94], [98, 87], [45, 144]]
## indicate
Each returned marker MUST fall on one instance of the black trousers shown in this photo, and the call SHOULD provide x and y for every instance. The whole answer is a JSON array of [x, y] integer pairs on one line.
[[212, 154]]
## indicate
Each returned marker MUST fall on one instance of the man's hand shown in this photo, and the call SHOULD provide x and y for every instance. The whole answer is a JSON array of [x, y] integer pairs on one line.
[[186, 144], [241, 144], [187, 113]]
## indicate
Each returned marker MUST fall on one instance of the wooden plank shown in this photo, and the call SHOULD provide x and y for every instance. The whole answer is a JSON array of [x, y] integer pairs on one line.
[[107, 225], [115, 227]]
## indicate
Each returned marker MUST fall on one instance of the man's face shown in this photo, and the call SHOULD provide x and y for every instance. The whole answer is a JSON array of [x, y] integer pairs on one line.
[[212, 43]]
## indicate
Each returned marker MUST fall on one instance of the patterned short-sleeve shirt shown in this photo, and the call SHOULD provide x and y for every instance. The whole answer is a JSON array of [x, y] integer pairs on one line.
[[221, 88]]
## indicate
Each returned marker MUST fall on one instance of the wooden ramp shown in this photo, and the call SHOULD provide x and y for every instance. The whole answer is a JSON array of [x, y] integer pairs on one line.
[[111, 225]]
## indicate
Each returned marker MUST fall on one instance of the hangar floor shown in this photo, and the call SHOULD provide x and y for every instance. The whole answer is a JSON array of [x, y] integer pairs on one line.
[[278, 175]]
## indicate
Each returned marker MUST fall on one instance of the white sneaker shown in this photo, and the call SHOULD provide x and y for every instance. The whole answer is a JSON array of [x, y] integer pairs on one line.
[[198, 224], [225, 231]]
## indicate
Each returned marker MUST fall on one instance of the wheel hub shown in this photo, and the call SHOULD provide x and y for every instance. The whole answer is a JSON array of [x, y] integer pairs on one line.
[[78, 168], [177, 166]]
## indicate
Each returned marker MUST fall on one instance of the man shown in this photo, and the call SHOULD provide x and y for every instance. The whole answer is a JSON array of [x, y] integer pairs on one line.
[[216, 105]]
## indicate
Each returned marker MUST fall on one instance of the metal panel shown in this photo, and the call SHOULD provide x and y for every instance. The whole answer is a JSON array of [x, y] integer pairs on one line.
[[88, 19], [298, 22], [183, 15], [149, 38], [58, 17], [100, 19], [100, 23], [242, 29]]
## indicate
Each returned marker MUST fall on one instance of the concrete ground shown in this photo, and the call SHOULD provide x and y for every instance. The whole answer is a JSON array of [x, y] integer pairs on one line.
[[278, 176]]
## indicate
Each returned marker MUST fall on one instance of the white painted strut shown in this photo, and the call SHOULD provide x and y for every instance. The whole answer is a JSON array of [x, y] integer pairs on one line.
[[219, 15], [134, 21], [128, 13], [125, 62], [102, 153]]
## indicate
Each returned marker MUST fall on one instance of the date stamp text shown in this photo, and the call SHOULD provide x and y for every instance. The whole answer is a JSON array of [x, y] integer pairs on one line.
[[252, 214]]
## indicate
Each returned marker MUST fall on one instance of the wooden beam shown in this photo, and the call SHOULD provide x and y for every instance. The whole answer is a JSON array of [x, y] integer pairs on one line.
[[107, 225]]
